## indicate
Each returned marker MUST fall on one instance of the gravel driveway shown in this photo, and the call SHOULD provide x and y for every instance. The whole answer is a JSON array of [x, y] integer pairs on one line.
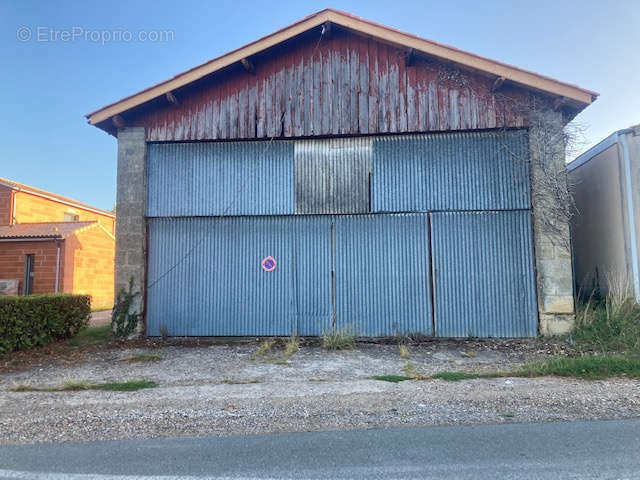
[[222, 389]]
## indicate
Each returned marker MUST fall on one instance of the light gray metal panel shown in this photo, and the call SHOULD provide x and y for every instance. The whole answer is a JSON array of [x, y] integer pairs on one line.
[[451, 171], [332, 175], [216, 178], [206, 279], [382, 274], [312, 273], [483, 274]]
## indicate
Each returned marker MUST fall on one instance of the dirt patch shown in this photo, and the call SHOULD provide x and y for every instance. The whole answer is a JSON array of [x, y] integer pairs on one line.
[[100, 319], [206, 387]]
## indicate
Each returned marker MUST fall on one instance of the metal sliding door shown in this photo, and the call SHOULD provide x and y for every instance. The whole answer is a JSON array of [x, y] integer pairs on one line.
[[382, 274], [206, 276], [484, 283]]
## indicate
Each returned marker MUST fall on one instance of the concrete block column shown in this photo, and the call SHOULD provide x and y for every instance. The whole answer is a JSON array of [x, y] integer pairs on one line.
[[554, 274], [130, 211]]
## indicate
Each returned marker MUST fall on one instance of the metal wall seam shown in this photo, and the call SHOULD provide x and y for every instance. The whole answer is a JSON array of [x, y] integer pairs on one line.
[[220, 178], [486, 170], [483, 274]]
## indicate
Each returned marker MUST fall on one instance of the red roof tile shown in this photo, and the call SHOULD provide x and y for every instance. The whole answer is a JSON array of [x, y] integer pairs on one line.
[[53, 230]]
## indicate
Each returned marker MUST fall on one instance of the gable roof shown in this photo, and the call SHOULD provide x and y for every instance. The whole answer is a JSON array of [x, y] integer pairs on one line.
[[52, 196], [580, 96], [52, 230]]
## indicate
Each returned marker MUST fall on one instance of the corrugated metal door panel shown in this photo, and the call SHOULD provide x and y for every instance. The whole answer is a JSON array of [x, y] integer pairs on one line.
[[312, 274], [451, 171], [483, 274], [230, 178], [382, 274], [332, 175], [206, 278]]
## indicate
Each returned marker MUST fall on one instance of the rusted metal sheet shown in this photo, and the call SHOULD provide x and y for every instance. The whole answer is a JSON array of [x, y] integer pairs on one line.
[[332, 175], [348, 85]]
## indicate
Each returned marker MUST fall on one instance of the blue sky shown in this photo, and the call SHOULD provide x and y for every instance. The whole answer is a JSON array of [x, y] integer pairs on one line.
[[48, 86]]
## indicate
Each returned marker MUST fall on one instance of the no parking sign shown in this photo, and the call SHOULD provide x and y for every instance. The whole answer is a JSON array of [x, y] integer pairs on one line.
[[268, 264]]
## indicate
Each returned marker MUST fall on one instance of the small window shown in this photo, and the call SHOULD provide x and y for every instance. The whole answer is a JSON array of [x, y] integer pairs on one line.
[[71, 217], [29, 261]]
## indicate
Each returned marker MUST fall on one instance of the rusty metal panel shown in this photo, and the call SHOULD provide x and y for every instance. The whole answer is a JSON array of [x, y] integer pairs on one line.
[[382, 274], [206, 279], [220, 178], [332, 175], [484, 283], [486, 170], [345, 85]]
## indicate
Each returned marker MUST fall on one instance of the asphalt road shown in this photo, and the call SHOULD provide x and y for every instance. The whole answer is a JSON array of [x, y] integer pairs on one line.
[[580, 450]]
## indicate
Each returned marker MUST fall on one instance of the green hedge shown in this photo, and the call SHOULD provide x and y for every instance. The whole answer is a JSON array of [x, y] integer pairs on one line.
[[34, 320]]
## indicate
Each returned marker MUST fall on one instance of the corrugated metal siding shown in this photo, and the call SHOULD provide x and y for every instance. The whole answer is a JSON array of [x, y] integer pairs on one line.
[[312, 274], [206, 279], [483, 274], [332, 176], [382, 274], [220, 178], [349, 85], [451, 171]]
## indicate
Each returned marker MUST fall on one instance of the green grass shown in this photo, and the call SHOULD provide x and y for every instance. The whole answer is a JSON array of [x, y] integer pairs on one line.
[[391, 378], [128, 386], [609, 324], [338, 339], [75, 386], [92, 336], [591, 367], [587, 367], [145, 357], [454, 376]]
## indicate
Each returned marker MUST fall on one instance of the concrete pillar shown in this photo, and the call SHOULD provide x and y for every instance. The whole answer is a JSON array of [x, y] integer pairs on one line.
[[130, 212], [551, 234]]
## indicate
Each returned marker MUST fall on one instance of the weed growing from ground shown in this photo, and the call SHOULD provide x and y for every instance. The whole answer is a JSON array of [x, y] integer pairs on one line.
[[392, 378], [291, 347], [338, 339], [610, 324], [75, 386], [403, 351], [264, 348], [413, 373], [587, 367]]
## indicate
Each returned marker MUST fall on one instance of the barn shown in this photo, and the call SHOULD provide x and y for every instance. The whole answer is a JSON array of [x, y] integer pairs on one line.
[[339, 173]]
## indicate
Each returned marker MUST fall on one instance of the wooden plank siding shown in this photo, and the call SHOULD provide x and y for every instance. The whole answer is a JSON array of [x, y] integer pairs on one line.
[[347, 85]]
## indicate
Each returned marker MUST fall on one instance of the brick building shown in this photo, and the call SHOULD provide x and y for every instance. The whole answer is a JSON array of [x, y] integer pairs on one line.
[[50, 243]]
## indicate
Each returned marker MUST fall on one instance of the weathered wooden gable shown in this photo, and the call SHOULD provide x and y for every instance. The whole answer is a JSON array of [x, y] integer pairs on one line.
[[345, 84]]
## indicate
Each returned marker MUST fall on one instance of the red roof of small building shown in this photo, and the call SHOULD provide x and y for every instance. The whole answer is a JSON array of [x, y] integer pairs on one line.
[[52, 196], [52, 230]]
